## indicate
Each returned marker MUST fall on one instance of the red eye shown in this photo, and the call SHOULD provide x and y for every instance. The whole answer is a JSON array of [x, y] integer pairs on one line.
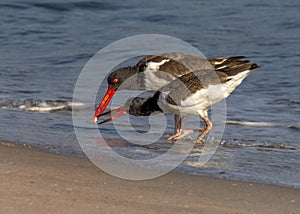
[[116, 80]]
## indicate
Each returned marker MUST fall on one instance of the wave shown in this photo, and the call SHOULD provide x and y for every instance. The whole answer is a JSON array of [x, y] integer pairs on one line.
[[50, 106], [287, 102], [249, 123], [46, 106], [88, 5], [66, 6], [13, 6], [294, 127], [261, 124], [259, 145]]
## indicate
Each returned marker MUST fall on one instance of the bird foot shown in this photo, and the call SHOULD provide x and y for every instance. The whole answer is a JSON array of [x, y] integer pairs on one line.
[[199, 143], [181, 134]]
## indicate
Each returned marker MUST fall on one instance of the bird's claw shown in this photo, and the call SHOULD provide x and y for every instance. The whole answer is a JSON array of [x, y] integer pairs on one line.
[[181, 134], [199, 142]]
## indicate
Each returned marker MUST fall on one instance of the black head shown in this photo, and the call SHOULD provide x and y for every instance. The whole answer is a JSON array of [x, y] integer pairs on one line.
[[140, 106], [134, 106], [117, 77], [137, 106]]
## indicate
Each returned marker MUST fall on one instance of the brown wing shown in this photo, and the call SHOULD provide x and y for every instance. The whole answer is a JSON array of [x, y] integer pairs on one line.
[[188, 84], [181, 64]]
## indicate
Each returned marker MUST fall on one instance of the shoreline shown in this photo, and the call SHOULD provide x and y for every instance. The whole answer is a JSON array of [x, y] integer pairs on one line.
[[33, 180]]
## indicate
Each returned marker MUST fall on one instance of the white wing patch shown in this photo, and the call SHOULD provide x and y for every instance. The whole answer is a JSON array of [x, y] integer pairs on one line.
[[152, 82], [220, 62], [154, 66]]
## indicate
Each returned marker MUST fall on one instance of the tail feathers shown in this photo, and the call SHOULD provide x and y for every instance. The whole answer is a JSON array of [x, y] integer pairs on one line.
[[234, 70], [218, 62], [231, 66], [254, 66]]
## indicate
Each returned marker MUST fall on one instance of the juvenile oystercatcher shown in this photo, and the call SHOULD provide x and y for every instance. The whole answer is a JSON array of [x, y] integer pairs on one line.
[[190, 94], [155, 71]]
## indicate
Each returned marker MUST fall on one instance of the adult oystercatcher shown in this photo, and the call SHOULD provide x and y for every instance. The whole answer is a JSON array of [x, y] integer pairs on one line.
[[190, 94], [155, 71]]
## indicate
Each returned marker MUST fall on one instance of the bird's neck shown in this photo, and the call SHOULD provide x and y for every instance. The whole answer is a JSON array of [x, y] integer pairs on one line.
[[134, 80]]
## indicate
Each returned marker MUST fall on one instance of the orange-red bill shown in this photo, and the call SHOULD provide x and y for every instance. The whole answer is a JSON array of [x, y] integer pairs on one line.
[[104, 103], [120, 112]]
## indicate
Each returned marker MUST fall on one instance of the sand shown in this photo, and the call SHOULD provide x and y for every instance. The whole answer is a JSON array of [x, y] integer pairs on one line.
[[34, 181]]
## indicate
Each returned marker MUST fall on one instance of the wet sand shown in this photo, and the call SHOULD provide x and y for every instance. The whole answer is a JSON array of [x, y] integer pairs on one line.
[[34, 181]]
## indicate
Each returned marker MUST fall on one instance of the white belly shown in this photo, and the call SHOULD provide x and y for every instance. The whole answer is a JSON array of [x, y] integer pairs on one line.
[[202, 99]]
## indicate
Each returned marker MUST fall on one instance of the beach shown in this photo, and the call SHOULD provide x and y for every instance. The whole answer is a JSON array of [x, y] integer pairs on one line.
[[56, 59], [35, 181], [49, 47]]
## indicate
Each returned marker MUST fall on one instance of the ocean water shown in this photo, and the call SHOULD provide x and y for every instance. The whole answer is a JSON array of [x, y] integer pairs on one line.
[[45, 45]]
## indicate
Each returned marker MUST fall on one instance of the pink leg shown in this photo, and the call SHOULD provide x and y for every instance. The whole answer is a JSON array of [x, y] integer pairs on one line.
[[178, 127], [206, 129], [179, 132]]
